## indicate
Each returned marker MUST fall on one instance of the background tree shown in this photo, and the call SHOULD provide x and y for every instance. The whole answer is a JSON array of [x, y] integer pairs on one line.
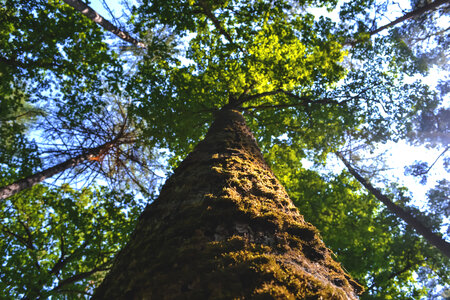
[[106, 144], [433, 238]]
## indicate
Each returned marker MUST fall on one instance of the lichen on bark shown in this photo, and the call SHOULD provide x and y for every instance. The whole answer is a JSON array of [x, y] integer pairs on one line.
[[223, 227]]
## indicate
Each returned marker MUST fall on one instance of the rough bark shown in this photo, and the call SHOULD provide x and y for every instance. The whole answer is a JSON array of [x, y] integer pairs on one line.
[[97, 18], [30, 181], [433, 238], [426, 8], [223, 227]]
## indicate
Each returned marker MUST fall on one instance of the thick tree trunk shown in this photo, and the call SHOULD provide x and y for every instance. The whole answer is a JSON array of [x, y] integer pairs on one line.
[[426, 8], [95, 17], [223, 227], [32, 180], [430, 236]]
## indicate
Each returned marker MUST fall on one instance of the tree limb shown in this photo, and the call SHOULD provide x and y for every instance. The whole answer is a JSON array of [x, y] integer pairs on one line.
[[414, 13], [21, 239], [407, 267], [30, 181], [63, 260], [97, 18], [81, 276], [410, 220], [207, 11], [304, 100], [435, 161]]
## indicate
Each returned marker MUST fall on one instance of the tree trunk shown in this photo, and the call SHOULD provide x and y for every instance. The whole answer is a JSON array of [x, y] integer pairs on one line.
[[223, 227], [430, 236], [95, 17], [32, 180], [412, 14]]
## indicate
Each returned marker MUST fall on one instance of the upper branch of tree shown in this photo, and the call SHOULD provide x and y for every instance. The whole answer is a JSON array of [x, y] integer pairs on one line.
[[63, 260], [12, 62], [30, 242], [426, 8], [412, 221], [27, 243], [304, 100], [440, 32], [15, 187], [97, 18], [423, 172], [429, 7], [407, 267], [207, 11], [81, 276], [106, 6]]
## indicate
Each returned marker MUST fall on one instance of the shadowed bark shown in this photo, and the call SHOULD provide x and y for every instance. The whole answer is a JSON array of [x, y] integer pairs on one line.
[[223, 227]]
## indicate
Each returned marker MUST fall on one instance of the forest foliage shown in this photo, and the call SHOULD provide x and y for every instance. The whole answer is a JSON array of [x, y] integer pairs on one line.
[[308, 85]]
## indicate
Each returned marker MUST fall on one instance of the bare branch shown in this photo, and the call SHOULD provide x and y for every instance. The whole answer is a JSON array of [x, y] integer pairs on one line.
[[95, 17]]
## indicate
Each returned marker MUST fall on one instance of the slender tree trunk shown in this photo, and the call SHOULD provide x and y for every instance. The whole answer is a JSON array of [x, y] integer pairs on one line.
[[30, 181], [95, 17], [430, 236], [223, 227], [412, 14]]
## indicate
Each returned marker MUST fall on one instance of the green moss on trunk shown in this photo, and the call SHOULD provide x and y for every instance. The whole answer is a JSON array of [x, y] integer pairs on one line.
[[224, 228]]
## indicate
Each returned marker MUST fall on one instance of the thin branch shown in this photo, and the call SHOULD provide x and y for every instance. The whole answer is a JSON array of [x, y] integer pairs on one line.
[[106, 6], [30, 112], [207, 11], [407, 267], [435, 161], [30, 241], [305, 100], [29, 235], [256, 96], [22, 240], [430, 35], [81, 276], [65, 260]]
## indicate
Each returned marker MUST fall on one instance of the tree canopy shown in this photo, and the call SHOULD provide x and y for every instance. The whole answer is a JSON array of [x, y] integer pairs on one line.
[[309, 85]]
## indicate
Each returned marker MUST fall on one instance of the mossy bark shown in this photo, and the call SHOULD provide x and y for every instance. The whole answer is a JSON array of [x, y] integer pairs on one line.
[[223, 227]]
